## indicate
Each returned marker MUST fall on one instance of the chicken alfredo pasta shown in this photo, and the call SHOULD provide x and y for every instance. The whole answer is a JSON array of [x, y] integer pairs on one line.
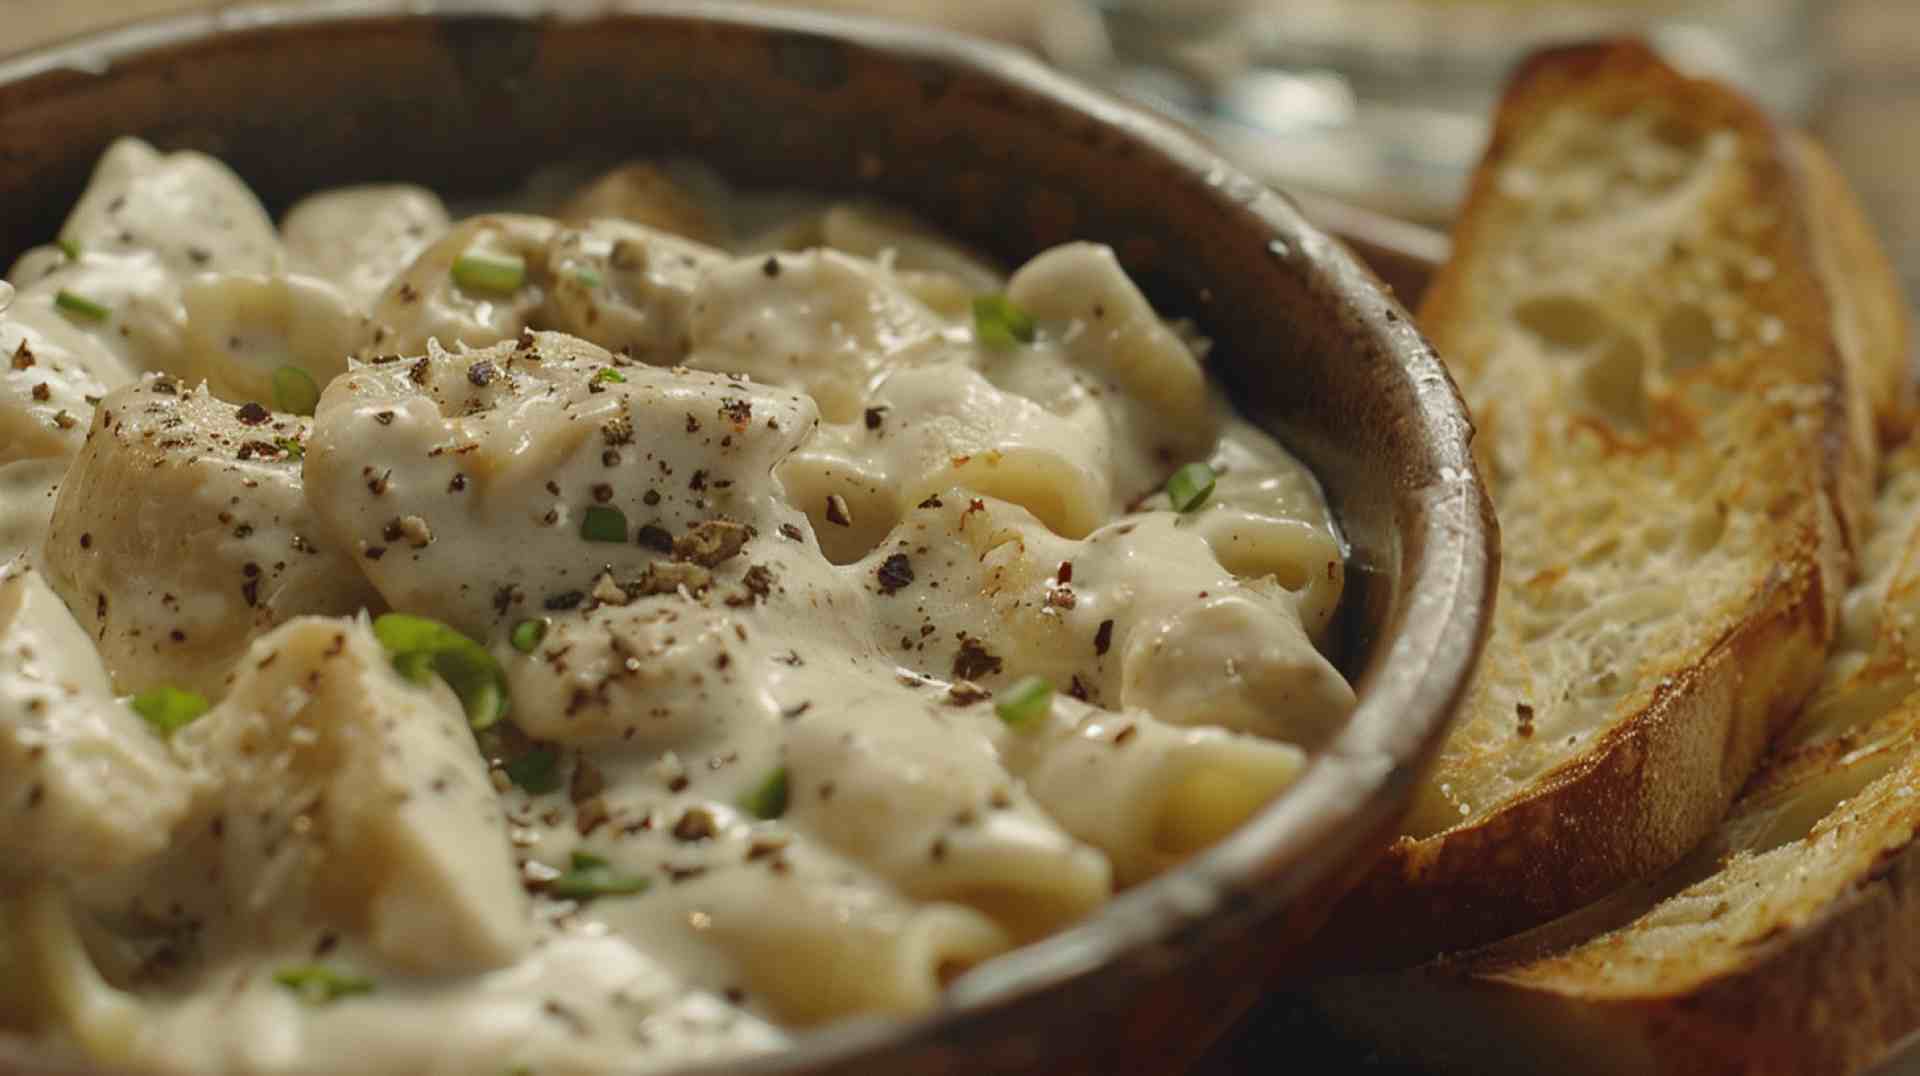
[[546, 643]]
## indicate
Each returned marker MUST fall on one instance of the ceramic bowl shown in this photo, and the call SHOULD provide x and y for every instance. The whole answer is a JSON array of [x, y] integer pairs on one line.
[[466, 97]]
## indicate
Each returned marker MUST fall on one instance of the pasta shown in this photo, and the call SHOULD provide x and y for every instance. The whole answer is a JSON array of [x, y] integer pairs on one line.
[[608, 640]]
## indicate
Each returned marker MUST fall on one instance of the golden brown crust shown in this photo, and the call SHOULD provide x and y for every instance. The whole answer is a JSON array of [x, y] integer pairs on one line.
[[1657, 780], [1826, 996], [1630, 807]]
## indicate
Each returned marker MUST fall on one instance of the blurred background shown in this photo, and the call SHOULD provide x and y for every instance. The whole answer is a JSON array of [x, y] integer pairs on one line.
[[1382, 104]]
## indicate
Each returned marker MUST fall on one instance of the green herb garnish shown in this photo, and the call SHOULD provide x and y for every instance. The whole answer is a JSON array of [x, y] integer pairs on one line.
[[169, 709], [422, 647], [293, 449], [587, 278], [1190, 487], [1026, 701], [68, 247], [591, 876], [768, 799], [998, 324], [294, 391], [528, 634], [537, 771], [603, 524], [80, 306], [479, 270], [609, 374], [317, 984]]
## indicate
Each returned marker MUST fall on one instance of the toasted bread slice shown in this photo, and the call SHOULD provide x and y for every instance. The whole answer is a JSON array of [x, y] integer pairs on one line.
[[1788, 943], [1677, 418]]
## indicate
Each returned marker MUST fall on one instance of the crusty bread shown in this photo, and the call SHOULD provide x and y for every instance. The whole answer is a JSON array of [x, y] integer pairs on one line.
[[1788, 943], [1676, 338]]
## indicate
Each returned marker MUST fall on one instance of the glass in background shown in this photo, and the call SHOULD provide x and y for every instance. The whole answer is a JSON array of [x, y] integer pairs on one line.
[[1385, 102]]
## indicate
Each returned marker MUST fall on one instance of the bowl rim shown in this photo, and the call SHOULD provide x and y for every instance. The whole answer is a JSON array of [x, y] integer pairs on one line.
[[1352, 788]]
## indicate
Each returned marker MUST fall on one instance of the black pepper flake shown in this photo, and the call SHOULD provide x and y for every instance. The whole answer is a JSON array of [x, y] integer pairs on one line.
[[698, 482], [610, 458], [482, 373], [565, 600], [895, 572], [791, 532], [618, 431], [1120, 738], [1524, 713], [770, 267], [973, 661], [165, 386], [252, 414], [375, 552], [837, 513], [1103, 638], [737, 411], [711, 542], [1077, 689], [693, 424], [42, 392], [64, 420], [695, 825], [250, 590], [655, 537], [758, 580], [457, 483], [602, 493], [1064, 574], [86, 540], [931, 502], [650, 498], [22, 356], [384, 418], [874, 417]]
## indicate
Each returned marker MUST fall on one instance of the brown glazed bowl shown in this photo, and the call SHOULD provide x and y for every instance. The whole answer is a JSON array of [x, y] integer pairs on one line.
[[467, 96]]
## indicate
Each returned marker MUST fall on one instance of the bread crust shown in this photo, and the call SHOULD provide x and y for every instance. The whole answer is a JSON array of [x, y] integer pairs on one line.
[[1669, 763]]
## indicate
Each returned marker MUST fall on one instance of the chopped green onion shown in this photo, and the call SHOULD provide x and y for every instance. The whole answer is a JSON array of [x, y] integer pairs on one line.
[[998, 324], [80, 306], [1026, 701], [169, 709], [317, 984], [294, 391], [610, 374], [587, 278], [68, 247], [294, 449], [1190, 487], [479, 270], [527, 634], [768, 799], [421, 647], [537, 771], [603, 524], [592, 876]]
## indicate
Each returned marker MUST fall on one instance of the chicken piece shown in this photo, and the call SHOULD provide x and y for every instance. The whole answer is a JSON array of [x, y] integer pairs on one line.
[[626, 287], [353, 797], [426, 469], [182, 532], [359, 238], [641, 194], [85, 785]]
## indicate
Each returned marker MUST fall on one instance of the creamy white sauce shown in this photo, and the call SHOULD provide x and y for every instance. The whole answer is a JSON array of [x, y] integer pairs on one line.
[[788, 530]]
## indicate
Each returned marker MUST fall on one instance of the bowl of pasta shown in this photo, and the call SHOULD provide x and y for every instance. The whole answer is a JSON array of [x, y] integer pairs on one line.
[[673, 537]]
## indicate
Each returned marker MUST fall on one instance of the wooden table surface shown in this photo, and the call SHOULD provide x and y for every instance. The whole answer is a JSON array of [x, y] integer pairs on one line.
[[1868, 117]]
